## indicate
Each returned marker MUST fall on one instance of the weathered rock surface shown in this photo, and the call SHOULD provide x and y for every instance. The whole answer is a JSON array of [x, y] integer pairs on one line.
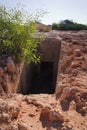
[[39, 112], [72, 83], [65, 110], [52, 115], [9, 75]]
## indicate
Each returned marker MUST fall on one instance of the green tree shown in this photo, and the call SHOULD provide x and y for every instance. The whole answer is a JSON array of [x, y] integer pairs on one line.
[[68, 25], [17, 35]]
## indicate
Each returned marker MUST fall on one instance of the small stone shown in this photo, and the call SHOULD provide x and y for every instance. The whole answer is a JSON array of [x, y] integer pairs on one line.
[[73, 90], [77, 52], [55, 116], [22, 126], [14, 127], [5, 117], [52, 115]]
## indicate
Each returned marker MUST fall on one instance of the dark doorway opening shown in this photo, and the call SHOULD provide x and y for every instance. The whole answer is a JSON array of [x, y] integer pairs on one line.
[[42, 78]]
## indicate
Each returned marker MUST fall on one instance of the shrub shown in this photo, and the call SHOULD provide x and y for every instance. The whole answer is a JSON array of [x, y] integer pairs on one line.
[[17, 37]]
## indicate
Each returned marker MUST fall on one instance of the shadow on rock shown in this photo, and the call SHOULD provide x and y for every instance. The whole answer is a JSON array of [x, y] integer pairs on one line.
[[50, 124], [65, 104]]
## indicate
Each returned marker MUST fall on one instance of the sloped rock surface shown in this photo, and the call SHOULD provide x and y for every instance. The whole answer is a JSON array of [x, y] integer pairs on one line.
[[72, 83], [65, 110]]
